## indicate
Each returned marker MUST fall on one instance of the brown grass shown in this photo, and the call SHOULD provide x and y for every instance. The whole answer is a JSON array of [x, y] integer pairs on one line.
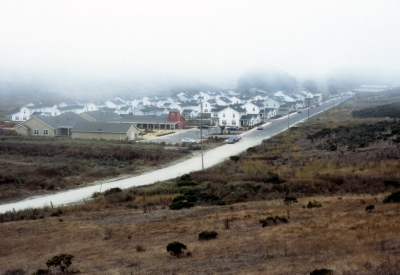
[[341, 236]]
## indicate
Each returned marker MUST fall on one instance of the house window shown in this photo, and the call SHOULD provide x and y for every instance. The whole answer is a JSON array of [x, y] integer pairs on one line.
[[215, 114], [223, 122], [206, 110], [36, 132], [172, 114], [24, 111], [45, 132], [233, 115], [206, 105], [223, 114], [233, 122], [24, 118], [254, 109], [16, 117]]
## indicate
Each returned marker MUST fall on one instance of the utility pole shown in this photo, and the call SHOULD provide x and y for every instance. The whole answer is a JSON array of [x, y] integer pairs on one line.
[[308, 109], [201, 135], [288, 117]]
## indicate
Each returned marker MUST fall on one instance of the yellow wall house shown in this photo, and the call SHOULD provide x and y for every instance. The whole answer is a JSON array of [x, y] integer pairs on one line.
[[49, 126], [105, 131]]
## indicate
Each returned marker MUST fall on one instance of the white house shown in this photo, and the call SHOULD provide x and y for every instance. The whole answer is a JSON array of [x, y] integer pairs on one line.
[[227, 115]]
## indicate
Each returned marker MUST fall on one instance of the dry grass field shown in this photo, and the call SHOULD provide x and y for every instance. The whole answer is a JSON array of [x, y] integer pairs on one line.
[[341, 235]]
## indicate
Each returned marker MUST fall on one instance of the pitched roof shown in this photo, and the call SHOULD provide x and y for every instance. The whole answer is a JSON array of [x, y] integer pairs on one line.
[[65, 120], [101, 127], [101, 116], [161, 119], [238, 108]]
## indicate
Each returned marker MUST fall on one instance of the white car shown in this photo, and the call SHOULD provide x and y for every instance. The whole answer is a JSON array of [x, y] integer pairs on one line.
[[188, 140]]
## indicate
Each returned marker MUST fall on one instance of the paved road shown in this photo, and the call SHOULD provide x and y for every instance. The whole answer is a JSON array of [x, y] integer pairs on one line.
[[212, 157]]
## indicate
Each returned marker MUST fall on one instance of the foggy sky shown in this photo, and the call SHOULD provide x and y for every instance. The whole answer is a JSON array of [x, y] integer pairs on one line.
[[210, 41]]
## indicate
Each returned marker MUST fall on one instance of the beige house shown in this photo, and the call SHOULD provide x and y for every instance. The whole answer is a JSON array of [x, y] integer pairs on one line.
[[49, 126], [104, 131]]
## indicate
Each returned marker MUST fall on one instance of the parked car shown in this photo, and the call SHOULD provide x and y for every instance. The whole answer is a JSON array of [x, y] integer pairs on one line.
[[231, 140], [237, 138], [299, 111], [317, 105], [203, 127], [188, 140], [234, 128], [312, 107], [260, 127]]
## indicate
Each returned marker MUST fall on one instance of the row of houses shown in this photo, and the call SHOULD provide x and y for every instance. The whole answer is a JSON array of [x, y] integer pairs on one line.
[[97, 125], [223, 108]]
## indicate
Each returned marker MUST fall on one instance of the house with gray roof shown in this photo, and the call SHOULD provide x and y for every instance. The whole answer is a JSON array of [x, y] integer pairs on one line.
[[104, 131], [49, 126], [99, 116]]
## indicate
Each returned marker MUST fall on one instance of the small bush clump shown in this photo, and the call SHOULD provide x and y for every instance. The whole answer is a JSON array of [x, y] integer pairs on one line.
[[207, 235], [322, 271], [112, 191], [369, 208], [289, 200], [176, 248], [273, 221], [313, 204], [186, 180], [394, 197], [16, 271], [63, 261]]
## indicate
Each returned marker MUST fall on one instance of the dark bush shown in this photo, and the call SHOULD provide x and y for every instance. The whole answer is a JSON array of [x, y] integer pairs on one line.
[[369, 208], [176, 248], [56, 213], [273, 221], [43, 272], [186, 180], [16, 271], [314, 204], [181, 201], [322, 271], [207, 235], [112, 191], [391, 183], [394, 197], [234, 158], [289, 200], [63, 261]]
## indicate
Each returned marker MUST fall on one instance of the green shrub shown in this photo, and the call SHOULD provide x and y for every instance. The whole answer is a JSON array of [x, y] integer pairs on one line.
[[181, 201], [313, 204], [186, 180], [207, 235], [63, 261], [289, 200], [176, 248], [322, 271], [394, 197], [273, 221], [369, 208]]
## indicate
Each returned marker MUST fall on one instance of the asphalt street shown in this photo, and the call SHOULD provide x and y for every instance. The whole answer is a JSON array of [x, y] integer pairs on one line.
[[194, 163]]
